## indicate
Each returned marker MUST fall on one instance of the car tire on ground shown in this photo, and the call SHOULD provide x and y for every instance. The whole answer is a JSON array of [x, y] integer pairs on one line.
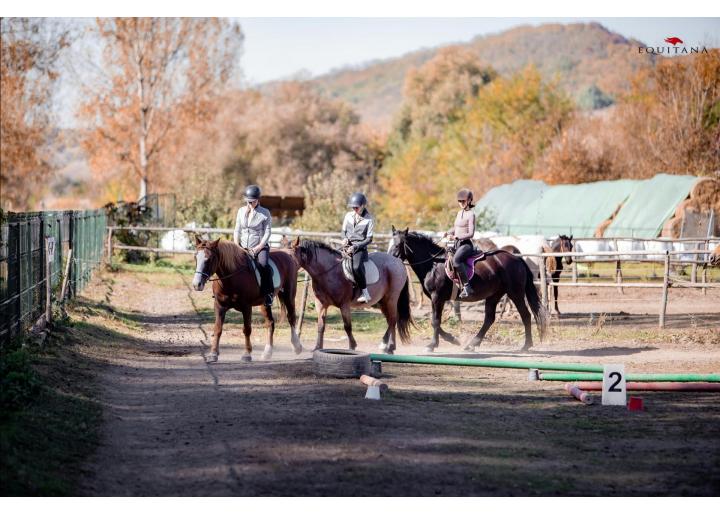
[[341, 363]]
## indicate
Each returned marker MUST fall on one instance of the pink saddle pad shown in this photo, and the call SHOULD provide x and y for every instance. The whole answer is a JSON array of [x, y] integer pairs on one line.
[[470, 262]]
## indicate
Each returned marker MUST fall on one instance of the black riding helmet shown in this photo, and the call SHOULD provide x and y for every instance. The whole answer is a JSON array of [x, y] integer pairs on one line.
[[252, 192], [357, 200]]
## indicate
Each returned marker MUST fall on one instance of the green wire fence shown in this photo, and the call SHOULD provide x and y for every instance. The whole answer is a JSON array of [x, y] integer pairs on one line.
[[22, 261]]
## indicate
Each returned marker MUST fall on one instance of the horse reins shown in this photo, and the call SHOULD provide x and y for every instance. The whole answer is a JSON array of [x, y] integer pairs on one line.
[[432, 257]]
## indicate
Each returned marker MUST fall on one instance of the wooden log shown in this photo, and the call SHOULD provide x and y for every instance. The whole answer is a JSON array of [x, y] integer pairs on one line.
[[370, 381]]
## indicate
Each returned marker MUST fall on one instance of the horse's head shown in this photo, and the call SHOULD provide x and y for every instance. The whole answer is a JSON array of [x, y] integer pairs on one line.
[[566, 245], [301, 253], [399, 247], [206, 262]]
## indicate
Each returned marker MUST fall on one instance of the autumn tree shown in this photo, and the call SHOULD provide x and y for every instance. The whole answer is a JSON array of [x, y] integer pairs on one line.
[[670, 120], [160, 78], [435, 94], [29, 52], [291, 133], [498, 137]]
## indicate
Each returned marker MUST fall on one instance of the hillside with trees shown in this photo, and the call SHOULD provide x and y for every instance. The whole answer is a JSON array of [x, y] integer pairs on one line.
[[592, 63]]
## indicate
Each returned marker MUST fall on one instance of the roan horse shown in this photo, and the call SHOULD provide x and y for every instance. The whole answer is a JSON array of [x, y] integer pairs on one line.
[[236, 287], [331, 288], [554, 265], [498, 274]]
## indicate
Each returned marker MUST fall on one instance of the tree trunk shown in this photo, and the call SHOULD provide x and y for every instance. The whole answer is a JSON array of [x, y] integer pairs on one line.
[[143, 190]]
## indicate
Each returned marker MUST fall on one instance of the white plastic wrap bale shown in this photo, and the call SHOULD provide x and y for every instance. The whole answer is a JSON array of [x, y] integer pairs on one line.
[[584, 246], [532, 244], [658, 248], [632, 245], [175, 240]]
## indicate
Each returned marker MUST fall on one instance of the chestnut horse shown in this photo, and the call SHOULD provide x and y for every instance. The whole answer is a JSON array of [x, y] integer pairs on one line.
[[236, 287]]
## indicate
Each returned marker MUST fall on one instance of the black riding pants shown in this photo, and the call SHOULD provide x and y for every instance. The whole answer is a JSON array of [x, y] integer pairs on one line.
[[464, 250], [358, 260], [261, 259]]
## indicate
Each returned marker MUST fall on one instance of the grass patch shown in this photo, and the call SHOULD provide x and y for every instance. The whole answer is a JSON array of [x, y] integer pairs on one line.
[[50, 428], [159, 266]]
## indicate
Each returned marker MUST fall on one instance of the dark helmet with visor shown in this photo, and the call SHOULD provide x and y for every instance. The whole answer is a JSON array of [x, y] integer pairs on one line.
[[252, 192], [357, 200]]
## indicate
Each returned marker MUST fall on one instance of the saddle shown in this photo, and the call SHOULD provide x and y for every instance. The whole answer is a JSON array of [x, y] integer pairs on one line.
[[372, 274], [273, 267], [477, 255]]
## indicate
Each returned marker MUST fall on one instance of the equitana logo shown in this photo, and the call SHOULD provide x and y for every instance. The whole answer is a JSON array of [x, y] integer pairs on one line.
[[674, 49]]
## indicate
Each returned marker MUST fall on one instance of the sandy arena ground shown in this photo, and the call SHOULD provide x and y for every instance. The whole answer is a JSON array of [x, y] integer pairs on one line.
[[174, 425]]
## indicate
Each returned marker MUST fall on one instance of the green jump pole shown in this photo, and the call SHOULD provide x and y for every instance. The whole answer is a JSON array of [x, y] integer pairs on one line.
[[634, 377], [484, 363]]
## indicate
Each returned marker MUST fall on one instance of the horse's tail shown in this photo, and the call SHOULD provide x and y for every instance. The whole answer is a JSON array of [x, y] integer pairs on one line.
[[536, 306], [404, 315]]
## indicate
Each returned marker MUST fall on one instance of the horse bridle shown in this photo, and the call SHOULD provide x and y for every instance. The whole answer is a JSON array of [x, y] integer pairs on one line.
[[208, 279], [410, 250]]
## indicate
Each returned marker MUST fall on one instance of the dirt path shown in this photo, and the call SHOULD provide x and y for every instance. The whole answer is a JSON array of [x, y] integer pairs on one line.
[[175, 426]]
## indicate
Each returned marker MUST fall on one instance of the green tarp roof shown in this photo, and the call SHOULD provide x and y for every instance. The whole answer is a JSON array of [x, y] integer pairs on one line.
[[533, 207], [650, 205]]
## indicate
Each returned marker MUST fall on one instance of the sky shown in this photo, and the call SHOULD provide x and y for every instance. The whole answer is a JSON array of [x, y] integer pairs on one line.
[[277, 48]]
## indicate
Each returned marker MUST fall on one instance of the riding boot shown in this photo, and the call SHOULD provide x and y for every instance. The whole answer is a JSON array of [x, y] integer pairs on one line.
[[266, 286], [462, 272]]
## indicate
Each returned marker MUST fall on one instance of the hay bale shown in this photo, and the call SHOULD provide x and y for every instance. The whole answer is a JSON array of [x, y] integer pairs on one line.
[[672, 227], [705, 192], [704, 196]]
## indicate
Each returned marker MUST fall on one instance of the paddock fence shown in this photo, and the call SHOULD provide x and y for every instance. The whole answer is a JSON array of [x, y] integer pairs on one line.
[[33, 269]]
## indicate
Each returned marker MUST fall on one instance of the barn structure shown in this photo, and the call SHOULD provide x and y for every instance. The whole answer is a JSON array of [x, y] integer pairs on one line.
[[663, 206]]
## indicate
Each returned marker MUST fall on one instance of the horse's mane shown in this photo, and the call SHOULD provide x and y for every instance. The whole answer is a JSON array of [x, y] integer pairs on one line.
[[426, 239], [230, 255], [310, 244]]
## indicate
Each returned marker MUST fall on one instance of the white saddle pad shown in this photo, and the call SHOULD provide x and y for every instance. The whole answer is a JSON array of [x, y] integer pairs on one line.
[[372, 274], [275, 273]]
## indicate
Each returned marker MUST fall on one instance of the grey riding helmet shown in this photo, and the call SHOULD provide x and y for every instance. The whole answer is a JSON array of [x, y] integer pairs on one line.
[[357, 200], [252, 192]]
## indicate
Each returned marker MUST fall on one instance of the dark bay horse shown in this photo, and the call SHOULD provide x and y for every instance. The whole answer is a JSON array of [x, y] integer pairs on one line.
[[236, 288], [331, 288], [498, 274], [554, 265]]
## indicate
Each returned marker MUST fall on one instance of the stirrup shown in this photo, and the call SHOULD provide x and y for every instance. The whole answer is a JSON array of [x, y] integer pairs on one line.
[[364, 296], [269, 298], [466, 291]]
